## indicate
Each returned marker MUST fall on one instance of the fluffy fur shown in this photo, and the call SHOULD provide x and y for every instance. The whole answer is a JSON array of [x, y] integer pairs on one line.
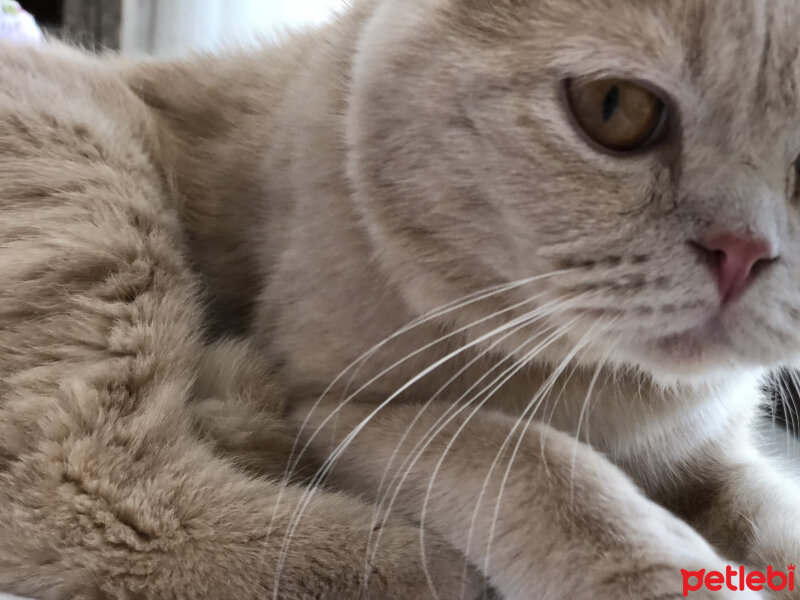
[[194, 253]]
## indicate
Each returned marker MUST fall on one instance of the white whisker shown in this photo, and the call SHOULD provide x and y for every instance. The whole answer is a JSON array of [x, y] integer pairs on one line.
[[420, 350], [442, 421], [432, 315], [503, 378], [537, 315], [448, 308], [584, 410], [546, 388], [558, 334], [391, 485], [334, 456]]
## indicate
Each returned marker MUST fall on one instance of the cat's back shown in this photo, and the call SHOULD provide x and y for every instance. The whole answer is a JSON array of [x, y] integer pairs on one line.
[[194, 128], [75, 173], [224, 136]]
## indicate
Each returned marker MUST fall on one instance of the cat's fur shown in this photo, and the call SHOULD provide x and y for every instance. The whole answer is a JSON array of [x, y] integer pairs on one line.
[[318, 196]]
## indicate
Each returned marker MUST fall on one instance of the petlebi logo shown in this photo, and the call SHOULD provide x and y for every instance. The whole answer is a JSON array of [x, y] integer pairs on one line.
[[738, 580]]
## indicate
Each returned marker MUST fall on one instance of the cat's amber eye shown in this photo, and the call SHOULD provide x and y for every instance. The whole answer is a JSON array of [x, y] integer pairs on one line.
[[617, 114]]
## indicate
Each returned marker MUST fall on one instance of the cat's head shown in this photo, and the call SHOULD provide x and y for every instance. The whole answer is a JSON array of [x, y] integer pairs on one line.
[[644, 152]]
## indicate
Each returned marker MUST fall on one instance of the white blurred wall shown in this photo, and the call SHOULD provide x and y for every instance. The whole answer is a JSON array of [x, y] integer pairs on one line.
[[174, 27]]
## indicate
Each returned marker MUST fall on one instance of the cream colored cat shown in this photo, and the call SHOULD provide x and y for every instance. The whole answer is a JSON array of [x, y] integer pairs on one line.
[[516, 266]]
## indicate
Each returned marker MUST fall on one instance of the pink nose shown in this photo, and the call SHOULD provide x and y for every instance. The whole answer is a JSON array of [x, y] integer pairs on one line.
[[733, 258]]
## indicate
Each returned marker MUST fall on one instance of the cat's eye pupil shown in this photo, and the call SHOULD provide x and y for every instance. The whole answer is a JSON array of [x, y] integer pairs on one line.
[[610, 103]]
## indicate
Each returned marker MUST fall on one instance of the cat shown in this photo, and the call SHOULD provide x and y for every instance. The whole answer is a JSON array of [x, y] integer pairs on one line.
[[445, 299]]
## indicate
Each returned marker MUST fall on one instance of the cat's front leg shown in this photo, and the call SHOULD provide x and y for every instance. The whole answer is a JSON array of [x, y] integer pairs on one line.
[[559, 522], [744, 503]]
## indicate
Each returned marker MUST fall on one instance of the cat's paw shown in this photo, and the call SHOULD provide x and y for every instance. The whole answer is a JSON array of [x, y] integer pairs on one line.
[[667, 581], [672, 561]]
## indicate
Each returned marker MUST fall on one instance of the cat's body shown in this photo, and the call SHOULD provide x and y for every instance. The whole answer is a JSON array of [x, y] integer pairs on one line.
[[328, 192]]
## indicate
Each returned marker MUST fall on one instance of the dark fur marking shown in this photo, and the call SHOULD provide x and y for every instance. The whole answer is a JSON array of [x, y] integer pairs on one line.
[[24, 131], [599, 313], [527, 121], [661, 282], [81, 131], [761, 91], [697, 35], [610, 261], [794, 313], [462, 121], [575, 263]]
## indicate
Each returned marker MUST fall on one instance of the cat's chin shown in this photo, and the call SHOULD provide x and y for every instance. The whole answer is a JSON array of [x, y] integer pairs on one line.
[[707, 350], [697, 342]]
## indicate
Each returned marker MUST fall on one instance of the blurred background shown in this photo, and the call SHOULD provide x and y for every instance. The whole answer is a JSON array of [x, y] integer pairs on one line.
[[174, 27]]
